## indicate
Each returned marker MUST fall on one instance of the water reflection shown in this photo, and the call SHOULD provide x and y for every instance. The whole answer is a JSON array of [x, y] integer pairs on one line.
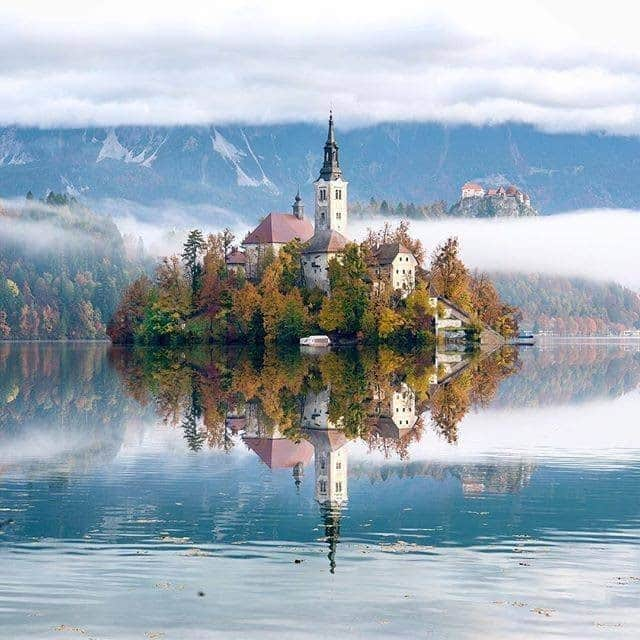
[[129, 480], [290, 407]]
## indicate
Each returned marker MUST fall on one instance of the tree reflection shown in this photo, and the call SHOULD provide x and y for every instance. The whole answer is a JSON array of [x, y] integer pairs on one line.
[[288, 407]]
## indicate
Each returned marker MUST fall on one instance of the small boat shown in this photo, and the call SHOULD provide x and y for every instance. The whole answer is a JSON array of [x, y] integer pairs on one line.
[[524, 338], [315, 341]]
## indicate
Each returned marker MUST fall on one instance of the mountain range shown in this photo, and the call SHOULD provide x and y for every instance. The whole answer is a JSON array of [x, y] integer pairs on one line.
[[246, 171]]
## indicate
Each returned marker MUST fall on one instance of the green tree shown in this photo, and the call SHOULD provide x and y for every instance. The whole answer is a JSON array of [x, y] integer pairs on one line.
[[193, 249]]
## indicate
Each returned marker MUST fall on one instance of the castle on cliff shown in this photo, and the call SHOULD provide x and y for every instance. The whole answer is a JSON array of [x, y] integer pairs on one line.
[[474, 190]]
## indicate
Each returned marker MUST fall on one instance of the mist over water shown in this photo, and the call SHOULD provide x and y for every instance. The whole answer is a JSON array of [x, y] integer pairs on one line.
[[601, 244]]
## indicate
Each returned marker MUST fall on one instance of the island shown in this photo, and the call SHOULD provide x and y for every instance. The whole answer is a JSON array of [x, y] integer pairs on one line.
[[290, 277]]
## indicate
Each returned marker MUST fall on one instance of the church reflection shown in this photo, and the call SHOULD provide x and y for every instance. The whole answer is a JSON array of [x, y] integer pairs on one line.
[[391, 416]]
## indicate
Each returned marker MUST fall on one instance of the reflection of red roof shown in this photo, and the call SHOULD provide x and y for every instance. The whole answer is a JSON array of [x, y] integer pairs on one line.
[[280, 228], [280, 453], [385, 427], [236, 257], [512, 191], [236, 423], [492, 192]]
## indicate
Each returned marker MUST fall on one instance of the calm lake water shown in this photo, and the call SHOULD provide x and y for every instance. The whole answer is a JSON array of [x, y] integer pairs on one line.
[[146, 494]]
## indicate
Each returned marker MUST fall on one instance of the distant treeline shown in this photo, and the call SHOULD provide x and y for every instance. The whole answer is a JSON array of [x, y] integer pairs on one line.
[[570, 306], [409, 210], [62, 269]]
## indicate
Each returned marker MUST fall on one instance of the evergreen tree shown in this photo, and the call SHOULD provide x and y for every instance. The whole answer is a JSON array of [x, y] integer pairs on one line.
[[193, 248]]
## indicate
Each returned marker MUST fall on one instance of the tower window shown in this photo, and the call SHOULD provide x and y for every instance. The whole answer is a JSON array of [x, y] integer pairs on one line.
[[338, 194], [323, 486], [338, 215], [338, 487], [322, 195]]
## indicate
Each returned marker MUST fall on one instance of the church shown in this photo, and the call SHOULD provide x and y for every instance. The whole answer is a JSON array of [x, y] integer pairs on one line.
[[324, 240]]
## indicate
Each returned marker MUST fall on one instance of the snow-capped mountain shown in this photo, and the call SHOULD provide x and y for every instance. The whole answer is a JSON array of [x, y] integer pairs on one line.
[[250, 170]]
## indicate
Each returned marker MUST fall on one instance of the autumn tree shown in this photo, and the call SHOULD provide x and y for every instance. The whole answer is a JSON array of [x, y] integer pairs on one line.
[[449, 276], [130, 312]]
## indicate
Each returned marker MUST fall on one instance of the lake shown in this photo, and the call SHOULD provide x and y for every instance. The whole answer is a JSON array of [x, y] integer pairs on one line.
[[242, 494]]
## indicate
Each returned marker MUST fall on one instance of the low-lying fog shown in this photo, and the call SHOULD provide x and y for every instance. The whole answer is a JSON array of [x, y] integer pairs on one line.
[[603, 244]]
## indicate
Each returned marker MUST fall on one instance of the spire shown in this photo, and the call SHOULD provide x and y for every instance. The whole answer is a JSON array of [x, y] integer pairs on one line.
[[331, 136], [298, 206], [331, 166]]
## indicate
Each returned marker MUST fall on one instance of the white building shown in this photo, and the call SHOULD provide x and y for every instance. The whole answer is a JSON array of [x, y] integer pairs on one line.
[[472, 190], [394, 265], [331, 210]]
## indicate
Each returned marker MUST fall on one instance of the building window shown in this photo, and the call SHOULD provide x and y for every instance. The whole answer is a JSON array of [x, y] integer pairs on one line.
[[338, 215], [338, 487], [338, 465], [323, 462], [338, 194], [322, 486], [323, 195]]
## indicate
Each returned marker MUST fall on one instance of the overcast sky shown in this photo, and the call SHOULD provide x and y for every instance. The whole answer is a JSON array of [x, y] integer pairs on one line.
[[558, 65]]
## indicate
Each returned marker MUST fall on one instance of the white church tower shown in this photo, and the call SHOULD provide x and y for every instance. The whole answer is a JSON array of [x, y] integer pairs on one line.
[[331, 189]]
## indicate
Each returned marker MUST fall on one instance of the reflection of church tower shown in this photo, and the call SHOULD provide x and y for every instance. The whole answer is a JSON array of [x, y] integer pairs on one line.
[[331, 520], [330, 464]]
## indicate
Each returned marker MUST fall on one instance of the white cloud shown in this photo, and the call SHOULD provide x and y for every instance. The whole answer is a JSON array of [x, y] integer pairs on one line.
[[560, 66]]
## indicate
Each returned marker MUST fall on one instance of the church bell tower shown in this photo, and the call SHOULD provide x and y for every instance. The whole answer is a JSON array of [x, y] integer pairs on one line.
[[331, 189]]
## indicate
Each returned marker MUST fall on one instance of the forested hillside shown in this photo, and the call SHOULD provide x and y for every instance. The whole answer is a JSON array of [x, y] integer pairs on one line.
[[570, 305], [489, 207], [62, 270]]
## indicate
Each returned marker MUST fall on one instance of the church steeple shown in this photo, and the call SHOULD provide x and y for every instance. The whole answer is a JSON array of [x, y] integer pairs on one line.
[[331, 188], [331, 165]]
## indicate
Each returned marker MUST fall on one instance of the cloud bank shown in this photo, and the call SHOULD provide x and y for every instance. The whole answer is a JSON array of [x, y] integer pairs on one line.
[[558, 66], [600, 244]]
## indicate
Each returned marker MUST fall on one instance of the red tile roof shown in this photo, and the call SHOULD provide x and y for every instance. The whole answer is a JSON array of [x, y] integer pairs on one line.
[[280, 228], [236, 257], [281, 453], [471, 185]]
